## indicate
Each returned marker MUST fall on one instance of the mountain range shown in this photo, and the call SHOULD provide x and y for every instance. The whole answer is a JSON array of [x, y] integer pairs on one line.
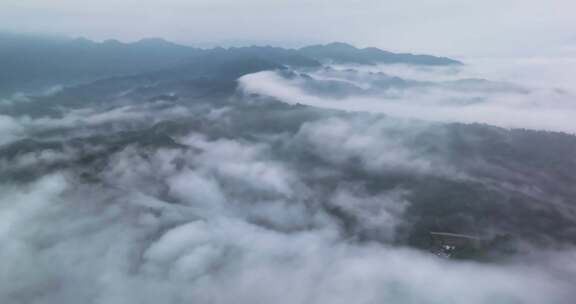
[[34, 62]]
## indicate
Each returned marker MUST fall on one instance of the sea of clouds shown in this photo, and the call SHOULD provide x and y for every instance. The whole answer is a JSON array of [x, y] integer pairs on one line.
[[532, 93], [229, 219]]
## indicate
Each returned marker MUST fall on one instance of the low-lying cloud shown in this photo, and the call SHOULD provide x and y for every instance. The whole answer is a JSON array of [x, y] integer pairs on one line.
[[255, 201], [517, 99], [122, 243]]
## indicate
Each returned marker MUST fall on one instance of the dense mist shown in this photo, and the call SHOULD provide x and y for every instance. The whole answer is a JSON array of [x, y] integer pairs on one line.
[[324, 174], [532, 96]]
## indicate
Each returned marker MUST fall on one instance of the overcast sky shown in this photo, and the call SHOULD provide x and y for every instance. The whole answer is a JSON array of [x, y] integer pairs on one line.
[[449, 27]]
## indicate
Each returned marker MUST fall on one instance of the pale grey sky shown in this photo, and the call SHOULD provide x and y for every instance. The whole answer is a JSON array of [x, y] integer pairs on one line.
[[448, 27]]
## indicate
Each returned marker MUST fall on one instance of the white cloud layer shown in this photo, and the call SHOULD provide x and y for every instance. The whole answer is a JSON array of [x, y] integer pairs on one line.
[[534, 94], [64, 243], [221, 220], [238, 216]]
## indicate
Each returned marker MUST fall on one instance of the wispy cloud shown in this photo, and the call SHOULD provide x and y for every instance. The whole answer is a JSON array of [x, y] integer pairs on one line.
[[536, 100]]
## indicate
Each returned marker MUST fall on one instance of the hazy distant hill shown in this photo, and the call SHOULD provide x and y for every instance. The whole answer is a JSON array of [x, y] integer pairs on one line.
[[344, 53], [33, 62]]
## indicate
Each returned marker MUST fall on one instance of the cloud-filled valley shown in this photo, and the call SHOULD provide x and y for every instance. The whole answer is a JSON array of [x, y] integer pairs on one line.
[[260, 175], [445, 94]]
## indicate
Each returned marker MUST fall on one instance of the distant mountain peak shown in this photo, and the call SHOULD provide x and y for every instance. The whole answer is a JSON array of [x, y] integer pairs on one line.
[[83, 40], [112, 42], [333, 46], [345, 53], [341, 45], [154, 41]]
